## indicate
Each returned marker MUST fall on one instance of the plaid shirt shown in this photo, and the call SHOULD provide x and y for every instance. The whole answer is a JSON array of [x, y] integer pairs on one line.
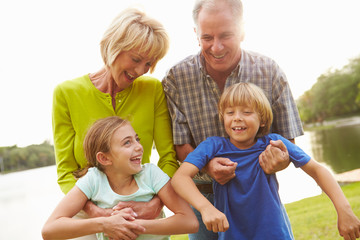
[[192, 97]]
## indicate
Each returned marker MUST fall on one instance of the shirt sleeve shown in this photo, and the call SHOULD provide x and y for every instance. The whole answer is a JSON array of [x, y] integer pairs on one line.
[[203, 153], [180, 128], [86, 184], [64, 136], [162, 134], [286, 116], [158, 178]]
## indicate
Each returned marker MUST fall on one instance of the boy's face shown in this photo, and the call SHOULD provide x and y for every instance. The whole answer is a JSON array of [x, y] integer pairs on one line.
[[241, 124]]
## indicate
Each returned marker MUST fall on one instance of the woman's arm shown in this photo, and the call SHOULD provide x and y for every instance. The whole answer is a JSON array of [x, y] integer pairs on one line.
[[163, 137], [143, 210], [183, 184], [92, 210], [183, 220], [64, 137], [62, 225], [348, 223]]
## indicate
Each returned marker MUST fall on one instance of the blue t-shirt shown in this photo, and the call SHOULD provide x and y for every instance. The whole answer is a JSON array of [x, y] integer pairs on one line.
[[96, 187], [251, 200]]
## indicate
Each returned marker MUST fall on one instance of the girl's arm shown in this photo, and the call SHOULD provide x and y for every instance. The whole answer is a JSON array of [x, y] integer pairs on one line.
[[62, 225], [183, 184], [348, 223], [183, 220]]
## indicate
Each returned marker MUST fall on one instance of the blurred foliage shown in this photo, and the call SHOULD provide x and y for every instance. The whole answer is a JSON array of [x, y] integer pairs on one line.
[[14, 158], [335, 94]]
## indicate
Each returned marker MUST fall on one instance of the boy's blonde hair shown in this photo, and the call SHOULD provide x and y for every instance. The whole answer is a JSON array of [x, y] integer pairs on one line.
[[248, 94], [133, 29], [98, 139]]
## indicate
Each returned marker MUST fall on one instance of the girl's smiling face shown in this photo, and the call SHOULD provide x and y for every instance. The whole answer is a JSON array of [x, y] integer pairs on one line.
[[125, 150], [241, 124]]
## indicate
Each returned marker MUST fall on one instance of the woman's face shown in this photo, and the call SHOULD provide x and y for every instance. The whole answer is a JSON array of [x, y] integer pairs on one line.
[[128, 66]]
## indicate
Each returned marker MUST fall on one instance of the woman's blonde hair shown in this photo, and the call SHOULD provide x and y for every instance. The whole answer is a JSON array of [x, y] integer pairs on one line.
[[133, 29], [98, 139], [248, 94]]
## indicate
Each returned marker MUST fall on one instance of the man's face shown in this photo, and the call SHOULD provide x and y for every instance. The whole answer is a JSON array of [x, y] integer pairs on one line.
[[219, 36]]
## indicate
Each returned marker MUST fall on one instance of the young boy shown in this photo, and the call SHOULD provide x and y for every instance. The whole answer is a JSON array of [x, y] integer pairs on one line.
[[249, 206]]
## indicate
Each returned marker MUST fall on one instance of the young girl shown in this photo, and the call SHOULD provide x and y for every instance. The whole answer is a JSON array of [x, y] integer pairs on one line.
[[115, 174], [249, 206]]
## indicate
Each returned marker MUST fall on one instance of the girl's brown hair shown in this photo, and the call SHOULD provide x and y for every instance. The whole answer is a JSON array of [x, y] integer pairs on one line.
[[98, 139]]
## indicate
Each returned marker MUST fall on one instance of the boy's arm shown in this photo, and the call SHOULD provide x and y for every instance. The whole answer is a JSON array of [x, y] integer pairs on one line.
[[183, 184], [348, 223], [221, 170]]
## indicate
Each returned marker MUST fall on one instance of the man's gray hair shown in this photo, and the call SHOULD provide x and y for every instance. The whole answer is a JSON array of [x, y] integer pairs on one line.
[[235, 5]]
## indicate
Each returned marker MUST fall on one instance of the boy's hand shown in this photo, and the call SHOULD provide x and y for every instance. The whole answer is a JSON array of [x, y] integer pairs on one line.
[[214, 220], [349, 226]]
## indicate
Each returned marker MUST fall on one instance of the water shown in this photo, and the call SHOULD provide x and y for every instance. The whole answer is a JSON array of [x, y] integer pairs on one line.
[[27, 198], [338, 147]]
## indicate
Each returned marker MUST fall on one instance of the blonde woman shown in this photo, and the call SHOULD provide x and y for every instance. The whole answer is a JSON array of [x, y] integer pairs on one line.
[[130, 47]]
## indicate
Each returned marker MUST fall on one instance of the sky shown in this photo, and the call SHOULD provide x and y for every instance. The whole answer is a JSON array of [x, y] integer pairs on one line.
[[45, 42]]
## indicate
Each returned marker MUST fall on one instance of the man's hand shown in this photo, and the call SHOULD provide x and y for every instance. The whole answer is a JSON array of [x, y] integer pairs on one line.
[[275, 157], [144, 210], [221, 170]]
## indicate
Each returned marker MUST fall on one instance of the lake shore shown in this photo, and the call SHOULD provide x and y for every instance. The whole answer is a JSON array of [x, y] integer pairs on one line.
[[348, 177], [326, 124]]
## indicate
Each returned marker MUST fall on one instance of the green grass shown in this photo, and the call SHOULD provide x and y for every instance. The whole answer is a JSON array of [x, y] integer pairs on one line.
[[315, 217], [179, 237]]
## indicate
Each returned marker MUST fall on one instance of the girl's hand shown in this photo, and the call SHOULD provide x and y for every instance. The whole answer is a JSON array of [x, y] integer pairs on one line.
[[214, 220], [349, 225], [121, 226]]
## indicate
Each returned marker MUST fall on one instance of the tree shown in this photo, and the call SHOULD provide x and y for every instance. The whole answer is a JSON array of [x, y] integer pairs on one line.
[[336, 93], [33, 156]]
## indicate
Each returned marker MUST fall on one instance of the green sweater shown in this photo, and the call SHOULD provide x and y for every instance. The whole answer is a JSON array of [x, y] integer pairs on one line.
[[77, 104]]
